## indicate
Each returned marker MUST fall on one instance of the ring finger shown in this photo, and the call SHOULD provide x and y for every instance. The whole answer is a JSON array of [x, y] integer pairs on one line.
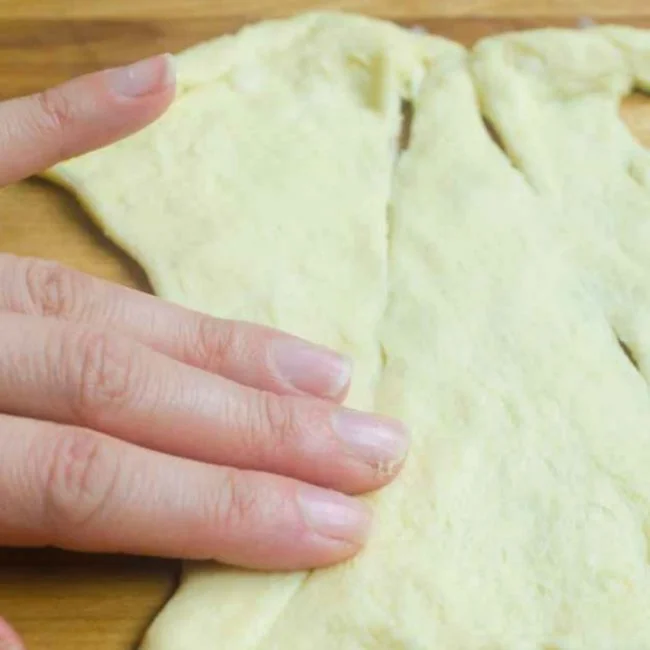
[[80, 490], [73, 374]]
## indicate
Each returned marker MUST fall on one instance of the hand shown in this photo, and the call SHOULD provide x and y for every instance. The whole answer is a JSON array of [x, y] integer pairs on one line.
[[131, 425]]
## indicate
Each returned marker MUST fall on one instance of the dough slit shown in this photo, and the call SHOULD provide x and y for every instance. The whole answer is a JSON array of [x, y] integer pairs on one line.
[[406, 122], [628, 352], [495, 135], [403, 142]]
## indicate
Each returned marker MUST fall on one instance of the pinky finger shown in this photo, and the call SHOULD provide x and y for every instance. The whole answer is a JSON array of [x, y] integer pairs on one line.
[[80, 490]]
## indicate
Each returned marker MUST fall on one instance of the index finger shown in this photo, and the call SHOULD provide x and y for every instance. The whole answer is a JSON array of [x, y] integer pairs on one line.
[[86, 113]]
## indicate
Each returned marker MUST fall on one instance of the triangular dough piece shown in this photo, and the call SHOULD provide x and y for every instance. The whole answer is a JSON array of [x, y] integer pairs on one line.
[[553, 97], [261, 194], [521, 519]]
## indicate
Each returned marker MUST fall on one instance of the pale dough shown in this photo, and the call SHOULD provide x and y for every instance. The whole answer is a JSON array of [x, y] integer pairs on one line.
[[554, 100], [481, 298]]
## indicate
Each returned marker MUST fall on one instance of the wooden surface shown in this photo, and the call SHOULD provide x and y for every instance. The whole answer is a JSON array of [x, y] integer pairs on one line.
[[61, 601]]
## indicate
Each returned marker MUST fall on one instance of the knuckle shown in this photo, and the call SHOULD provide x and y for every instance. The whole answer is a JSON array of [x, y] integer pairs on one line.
[[216, 342], [79, 478], [280, 416], [237, 502], [104, 375], [58, 112], [51, 290]]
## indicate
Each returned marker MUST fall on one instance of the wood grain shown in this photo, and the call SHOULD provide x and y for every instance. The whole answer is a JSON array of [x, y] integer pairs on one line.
[[84, 9], [59, 600], [41, 220], [62, 601], [36, 53]]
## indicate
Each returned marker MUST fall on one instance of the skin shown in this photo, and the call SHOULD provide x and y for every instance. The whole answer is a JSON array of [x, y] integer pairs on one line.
[[122, 416]]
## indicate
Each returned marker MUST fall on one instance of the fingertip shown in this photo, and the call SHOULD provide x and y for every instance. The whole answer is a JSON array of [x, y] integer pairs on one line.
[[334, 516], [340, 391], [289, 525], [335, 532], [331, 528], [368, 479], [311, 369], [126, 100], [375, 445], [152, 76], [83, 114], [170, 69]]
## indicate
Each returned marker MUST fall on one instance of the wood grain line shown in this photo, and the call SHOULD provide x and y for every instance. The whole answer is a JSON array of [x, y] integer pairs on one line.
[[85, 9], [36, 53]]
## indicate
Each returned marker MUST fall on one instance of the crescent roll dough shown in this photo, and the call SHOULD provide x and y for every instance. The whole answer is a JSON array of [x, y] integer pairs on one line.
[[491, 281]]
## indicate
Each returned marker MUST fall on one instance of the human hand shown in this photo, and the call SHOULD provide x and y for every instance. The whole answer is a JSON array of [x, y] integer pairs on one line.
[[131, 425]]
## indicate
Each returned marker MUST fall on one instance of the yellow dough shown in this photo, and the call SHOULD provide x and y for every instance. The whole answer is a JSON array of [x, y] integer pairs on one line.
[[554, 100], [481, 294], [228, 200]]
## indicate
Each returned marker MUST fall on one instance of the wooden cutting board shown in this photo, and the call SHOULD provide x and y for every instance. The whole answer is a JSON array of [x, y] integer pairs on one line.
[[61, 601]]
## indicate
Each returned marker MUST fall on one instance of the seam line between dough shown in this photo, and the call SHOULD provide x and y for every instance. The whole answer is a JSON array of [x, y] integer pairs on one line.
[[400, 146]]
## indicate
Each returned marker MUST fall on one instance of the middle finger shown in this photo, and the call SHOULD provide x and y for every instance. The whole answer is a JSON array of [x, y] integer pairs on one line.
[[249, 354]]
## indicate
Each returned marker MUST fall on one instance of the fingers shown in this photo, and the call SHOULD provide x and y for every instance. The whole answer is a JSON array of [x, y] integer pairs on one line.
[[62, 372], [9, 640], [89, 112], [248, 354], [80, 490]]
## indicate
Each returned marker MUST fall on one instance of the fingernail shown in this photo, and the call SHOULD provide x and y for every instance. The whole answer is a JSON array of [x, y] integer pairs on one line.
[[376, 440], [144, 77], [310, 368], [334, 515]]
